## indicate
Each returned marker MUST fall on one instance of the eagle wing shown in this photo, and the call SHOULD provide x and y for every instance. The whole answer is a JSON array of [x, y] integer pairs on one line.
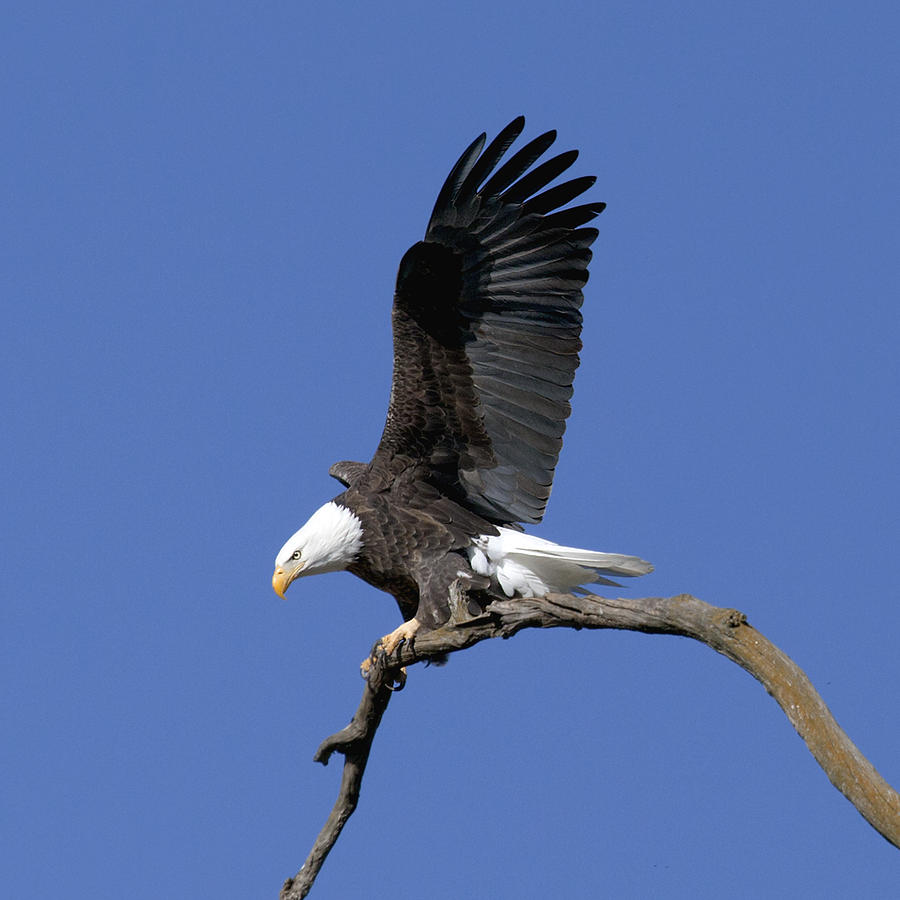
[[486, 324]]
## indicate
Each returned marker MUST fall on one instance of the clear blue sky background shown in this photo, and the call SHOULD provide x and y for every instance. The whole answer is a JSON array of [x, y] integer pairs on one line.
[[204, 206]]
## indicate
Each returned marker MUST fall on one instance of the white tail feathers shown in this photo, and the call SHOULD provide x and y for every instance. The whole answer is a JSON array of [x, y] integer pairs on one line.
[[528, 566]]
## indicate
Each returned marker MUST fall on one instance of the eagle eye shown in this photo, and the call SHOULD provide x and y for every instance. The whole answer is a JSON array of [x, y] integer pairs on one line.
[[296, 554]]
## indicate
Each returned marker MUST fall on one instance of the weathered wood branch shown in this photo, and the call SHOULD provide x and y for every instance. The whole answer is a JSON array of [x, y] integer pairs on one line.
[[725, 630]]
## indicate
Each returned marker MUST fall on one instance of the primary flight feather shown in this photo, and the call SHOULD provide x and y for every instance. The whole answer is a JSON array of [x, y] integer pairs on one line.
[[486, 324]]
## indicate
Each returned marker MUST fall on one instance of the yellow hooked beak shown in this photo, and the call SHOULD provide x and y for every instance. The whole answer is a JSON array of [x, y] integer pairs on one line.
[[280, 582]]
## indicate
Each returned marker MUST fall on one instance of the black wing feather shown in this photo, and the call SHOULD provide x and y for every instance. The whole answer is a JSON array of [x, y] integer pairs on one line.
[[487, 327], [539, 177], [491, 156], [558, 196], [518, 164], [457, 176]]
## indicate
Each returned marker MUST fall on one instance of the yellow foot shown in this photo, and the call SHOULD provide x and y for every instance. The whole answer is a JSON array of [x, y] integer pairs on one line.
[[406, 632], [388, 644]]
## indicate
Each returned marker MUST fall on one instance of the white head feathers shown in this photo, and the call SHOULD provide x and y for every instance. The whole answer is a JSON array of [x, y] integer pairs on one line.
[[328, 542]]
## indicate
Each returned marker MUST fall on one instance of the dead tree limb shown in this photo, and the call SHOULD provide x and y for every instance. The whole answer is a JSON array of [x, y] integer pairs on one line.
[[725, 630]]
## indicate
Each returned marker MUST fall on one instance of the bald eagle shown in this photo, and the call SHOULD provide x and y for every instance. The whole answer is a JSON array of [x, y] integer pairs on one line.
[[486, 327]]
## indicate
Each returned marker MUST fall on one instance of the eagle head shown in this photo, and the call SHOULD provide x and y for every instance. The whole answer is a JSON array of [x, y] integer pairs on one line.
[[328, 542]]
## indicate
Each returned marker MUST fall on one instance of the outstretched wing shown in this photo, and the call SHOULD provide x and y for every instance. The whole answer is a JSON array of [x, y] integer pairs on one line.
[[486, 327]]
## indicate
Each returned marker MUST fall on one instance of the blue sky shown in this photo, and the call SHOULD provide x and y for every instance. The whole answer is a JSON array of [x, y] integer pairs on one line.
[[205, 206]]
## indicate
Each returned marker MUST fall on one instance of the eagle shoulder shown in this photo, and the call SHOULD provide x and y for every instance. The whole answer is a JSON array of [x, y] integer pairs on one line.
[[348, 472]]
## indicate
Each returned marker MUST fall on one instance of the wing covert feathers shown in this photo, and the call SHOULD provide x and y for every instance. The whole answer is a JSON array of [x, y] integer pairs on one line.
[[487, 327]]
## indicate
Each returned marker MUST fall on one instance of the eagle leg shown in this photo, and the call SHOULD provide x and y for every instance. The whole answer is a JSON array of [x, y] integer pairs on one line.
[[388, 644]]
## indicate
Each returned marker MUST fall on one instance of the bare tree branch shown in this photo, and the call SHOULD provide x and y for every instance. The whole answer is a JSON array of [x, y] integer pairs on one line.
[[725, 630]]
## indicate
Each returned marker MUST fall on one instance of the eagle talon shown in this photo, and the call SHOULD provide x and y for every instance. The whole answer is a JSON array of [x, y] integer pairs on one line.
[[399, 682], [395, 646], [390, 643]]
